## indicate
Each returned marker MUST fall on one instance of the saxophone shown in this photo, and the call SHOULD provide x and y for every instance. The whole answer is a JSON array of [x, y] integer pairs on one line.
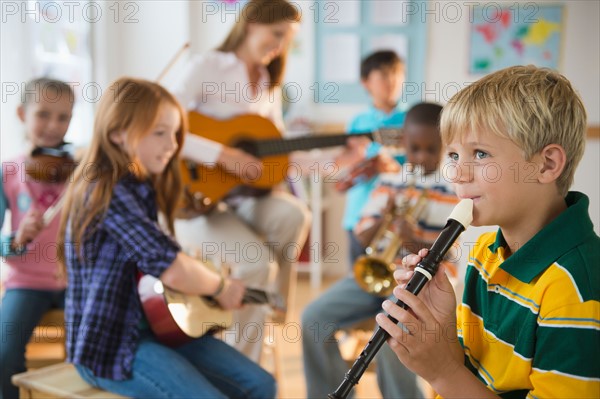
[[374, 271]]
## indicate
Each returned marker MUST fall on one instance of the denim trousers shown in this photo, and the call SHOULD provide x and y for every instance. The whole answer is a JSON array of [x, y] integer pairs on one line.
[[20, 311], [204, 368], [341, 306], [355, 249]]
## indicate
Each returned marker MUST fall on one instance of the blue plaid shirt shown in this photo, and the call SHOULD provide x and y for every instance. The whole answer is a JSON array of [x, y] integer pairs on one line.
[[103, 311]]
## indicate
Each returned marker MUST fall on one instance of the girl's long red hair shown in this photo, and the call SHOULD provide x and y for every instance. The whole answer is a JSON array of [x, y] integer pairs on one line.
[[130, 105]]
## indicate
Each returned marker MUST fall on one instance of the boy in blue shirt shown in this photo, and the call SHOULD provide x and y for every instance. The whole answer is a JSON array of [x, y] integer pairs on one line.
[[382, 75]]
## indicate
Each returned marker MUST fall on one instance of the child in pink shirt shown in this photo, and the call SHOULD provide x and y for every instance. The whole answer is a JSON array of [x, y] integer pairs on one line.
[[32, 282]]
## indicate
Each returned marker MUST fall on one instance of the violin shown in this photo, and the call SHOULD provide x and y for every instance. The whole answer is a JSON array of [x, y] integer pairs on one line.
[[362, 172], [51, 164], [366, 170]]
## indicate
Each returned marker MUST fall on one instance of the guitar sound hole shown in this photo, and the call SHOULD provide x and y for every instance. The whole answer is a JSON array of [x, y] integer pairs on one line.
[[192, 169], [248, 146]]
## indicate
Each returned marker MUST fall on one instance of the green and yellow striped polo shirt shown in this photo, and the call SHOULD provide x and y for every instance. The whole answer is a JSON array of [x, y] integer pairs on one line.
[[530, 324]]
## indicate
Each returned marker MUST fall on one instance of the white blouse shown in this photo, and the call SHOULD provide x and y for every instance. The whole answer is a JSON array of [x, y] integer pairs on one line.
[[216, 84]]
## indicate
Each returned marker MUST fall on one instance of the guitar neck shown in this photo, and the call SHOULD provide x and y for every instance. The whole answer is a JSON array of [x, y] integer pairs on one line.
[[271, 147], [254, 296]]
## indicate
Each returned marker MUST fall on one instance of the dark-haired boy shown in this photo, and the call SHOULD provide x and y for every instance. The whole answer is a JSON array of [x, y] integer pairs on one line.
[[345, 304], [382, 75]]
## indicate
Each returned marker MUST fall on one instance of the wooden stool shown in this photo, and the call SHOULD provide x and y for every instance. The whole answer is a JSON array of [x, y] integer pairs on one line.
[[271, 348], [47, 343], [57, 381], [359, 334]]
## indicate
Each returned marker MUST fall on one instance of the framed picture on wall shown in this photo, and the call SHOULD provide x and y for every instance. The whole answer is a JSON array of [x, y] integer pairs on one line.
[[518, 34]]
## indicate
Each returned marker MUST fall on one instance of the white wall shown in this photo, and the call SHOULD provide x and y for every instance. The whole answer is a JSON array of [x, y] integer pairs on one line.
[[14, 70], [142, 41]]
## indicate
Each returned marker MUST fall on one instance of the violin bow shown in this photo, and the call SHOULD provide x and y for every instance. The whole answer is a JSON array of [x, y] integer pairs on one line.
[[173, 61], [53, 209]]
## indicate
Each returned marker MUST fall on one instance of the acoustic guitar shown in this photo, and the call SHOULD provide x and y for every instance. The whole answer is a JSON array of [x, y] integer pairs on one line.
[[177, 318], [257, 136]]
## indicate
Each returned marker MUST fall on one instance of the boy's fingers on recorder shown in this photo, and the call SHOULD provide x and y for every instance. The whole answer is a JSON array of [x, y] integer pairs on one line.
[[406, 269]]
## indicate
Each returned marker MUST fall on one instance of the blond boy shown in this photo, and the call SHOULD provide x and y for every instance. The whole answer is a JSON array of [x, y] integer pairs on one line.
[[528, 325]]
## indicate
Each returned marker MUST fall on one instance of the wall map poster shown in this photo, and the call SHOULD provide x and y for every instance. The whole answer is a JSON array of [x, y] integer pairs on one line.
[[517, 35]]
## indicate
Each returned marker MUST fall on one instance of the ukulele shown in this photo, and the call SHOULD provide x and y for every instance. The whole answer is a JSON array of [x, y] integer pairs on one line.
[[205, 186], [177, 318]]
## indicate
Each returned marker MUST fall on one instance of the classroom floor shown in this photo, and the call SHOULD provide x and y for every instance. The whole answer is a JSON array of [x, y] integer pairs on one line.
[[291, 381]]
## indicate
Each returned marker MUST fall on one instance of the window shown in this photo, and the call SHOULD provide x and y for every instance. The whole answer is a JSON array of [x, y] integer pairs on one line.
[[348, 30], [59, 34]]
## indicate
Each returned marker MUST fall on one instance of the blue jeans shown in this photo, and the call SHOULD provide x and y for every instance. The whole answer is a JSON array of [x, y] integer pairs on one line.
[[343, 305], [20, 311], [203, 368], [356, 249]]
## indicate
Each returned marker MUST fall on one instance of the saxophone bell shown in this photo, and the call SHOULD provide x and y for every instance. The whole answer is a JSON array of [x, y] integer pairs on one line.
[[374, 271]]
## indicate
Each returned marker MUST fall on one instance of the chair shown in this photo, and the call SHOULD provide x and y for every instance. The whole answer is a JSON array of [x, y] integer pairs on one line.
[[47, 343], [357, 337], [57, 381]]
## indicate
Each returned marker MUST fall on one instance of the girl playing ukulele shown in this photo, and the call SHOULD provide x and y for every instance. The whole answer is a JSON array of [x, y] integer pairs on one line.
[[111, 234]]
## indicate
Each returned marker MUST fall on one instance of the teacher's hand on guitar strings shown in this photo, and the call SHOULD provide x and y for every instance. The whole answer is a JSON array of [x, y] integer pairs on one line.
[[355, 151], [358, 144], [240, 163], [231, 295]]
